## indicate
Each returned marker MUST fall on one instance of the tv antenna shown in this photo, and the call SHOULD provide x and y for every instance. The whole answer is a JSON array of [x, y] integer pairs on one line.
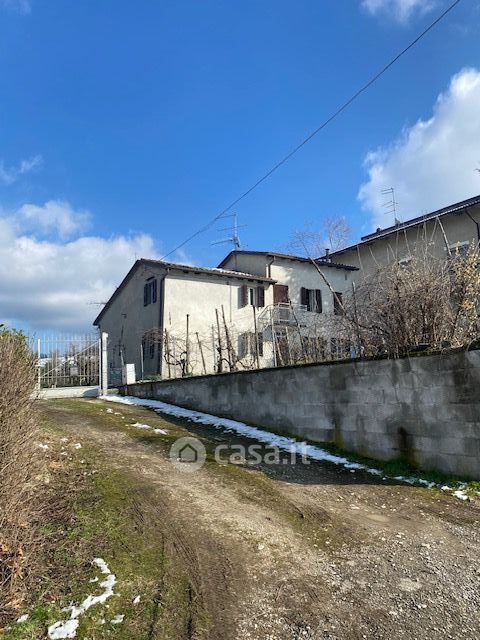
[[234, 238], [391, 204]]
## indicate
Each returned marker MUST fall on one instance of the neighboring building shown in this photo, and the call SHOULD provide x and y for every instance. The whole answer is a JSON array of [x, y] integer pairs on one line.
[[446, 230], [166, 318]]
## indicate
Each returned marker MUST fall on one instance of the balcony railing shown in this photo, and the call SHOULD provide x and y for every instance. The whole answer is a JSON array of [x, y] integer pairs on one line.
[[282, 314]]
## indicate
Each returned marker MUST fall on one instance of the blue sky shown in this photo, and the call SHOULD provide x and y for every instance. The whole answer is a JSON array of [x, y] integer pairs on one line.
[[132, 124]]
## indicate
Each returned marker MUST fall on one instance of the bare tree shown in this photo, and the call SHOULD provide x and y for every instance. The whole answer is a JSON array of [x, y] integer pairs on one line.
[[332, 233]]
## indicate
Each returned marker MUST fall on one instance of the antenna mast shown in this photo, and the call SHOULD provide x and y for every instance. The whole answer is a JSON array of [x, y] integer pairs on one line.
[[391, 205], [234, 238]]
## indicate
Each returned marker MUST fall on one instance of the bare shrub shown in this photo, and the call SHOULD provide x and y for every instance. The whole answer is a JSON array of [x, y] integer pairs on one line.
[[20, 468], [424, 302]]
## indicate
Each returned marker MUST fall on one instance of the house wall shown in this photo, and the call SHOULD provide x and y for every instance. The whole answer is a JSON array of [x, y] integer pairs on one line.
[[426, 408], [298, 274], [126, 321], [368, 255], [198, 297], [247, 263]]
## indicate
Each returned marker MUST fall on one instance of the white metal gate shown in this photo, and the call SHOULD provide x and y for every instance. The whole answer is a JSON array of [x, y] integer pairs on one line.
[[65, 361]]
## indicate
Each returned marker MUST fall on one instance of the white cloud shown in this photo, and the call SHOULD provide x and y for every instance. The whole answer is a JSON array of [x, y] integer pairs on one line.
[[9, 175], [50, 284], [399, 10], [54, 217], [432, 163], [23, 7]]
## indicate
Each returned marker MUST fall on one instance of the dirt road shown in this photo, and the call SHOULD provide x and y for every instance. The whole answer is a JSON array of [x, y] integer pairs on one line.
[[292, 551]]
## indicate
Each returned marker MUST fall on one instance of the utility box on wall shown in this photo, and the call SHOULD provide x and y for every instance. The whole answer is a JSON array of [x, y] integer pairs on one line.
[[128, 374]]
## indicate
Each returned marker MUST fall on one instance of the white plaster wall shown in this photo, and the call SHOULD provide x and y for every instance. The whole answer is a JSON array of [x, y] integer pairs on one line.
[[297, 274], [199, 296], [368, 256]]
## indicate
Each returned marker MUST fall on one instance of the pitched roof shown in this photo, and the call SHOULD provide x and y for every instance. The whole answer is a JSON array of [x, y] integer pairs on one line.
[[184, 268], [321, 262], [457, 208]]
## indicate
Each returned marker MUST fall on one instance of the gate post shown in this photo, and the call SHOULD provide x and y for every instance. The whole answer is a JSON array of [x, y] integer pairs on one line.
[[104, 365]]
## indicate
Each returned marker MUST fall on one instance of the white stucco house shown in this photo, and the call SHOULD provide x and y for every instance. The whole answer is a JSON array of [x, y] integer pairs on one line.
[[256, 309]]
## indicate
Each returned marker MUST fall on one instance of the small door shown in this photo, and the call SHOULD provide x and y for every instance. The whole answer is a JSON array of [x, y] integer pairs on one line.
[[280, 293]]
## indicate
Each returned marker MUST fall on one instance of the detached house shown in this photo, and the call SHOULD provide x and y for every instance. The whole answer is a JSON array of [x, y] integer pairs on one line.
[[255, 309]]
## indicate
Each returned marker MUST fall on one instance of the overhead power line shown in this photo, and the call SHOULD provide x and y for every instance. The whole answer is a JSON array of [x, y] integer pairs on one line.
[[324, 124]]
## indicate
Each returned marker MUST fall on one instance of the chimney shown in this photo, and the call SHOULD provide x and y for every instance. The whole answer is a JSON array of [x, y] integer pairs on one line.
[[327, 255]]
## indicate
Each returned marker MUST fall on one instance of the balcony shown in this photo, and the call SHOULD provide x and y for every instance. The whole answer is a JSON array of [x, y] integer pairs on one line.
[[282, 314]]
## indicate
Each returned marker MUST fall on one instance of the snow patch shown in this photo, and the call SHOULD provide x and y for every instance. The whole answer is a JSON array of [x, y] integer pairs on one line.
[[68, 628], [23, 618], [118, 619], [281, 442], [77, 446], [43, 446]]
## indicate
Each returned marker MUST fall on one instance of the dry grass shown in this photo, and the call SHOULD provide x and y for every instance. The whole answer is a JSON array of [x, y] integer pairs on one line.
[[20, 471]]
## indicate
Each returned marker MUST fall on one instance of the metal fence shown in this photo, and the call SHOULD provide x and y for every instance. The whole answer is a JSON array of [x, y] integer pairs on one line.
[[67, 360]]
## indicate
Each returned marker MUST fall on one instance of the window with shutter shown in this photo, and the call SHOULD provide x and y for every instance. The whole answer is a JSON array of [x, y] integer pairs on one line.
[[242, 345], [318, 301], [243, 295], [304, 296], [260, 297], [150, 292], [260, 344], [338, 303]]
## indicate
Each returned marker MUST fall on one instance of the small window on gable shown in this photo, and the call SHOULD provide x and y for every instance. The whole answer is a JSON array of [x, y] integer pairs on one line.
[[150, 292]]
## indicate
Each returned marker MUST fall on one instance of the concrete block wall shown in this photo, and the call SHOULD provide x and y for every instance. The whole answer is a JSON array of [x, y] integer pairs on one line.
[[424, 408]]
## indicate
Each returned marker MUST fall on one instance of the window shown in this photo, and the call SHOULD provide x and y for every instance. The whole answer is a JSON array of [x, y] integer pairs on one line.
[[247, 344], [459, 249], [339, 349], [148, 347], [338, 304], [311, 299], [404, 263], [253, 296], [150, 292]]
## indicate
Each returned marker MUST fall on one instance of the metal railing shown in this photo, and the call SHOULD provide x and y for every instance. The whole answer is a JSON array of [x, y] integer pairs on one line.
[[282, 314], [67, 360]]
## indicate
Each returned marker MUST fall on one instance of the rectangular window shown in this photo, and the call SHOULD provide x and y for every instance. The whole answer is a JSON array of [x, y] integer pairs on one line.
[[150, 292], [247, 344], [459, 249], [338, 304], [148, 347], [311, 299], [253, 296]]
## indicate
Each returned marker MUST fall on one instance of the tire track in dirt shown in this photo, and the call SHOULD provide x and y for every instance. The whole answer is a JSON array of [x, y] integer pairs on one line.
[[286, 553]]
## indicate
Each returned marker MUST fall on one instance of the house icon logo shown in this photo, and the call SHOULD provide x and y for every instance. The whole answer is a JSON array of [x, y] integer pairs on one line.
[[187, 454]]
